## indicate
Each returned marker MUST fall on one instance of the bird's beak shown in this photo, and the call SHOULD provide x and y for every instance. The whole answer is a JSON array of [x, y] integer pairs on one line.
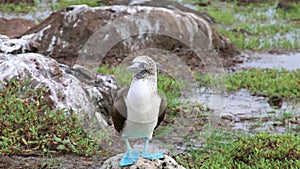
[[136, 66]]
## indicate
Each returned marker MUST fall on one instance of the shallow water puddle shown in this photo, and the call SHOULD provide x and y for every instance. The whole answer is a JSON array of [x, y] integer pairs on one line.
[[265, 60], [246, 113]]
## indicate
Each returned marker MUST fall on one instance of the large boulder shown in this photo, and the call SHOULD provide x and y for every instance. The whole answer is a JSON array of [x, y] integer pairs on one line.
[[72, 88], [64, 33]]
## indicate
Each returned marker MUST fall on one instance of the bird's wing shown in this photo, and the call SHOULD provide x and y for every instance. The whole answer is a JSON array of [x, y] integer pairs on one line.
[[162, 110], [119, 110]]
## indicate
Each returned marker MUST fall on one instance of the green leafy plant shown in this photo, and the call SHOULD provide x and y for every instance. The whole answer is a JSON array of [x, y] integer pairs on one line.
[[257, 151], [30, 124], [22, 7], [267, 82], [65, 3], [253, 26], [260, 151]]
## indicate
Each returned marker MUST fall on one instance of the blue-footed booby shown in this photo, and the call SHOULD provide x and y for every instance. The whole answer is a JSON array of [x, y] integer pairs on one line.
[[137, 111]]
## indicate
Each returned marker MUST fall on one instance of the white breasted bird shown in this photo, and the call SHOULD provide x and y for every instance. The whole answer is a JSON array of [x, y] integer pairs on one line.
[[139, 110]]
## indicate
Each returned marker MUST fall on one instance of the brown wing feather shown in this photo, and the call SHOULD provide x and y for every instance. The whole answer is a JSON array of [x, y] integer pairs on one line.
[[119, 110], [162, 111]]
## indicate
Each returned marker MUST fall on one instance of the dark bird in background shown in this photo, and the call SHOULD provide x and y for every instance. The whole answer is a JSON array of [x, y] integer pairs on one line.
[[275, 101], [137, 111]]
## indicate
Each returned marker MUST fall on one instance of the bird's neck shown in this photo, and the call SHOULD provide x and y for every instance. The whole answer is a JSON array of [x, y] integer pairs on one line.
[[140, 94], [151, 81]]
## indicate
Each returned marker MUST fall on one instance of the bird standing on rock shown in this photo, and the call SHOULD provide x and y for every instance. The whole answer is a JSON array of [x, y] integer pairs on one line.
[[137, 111]]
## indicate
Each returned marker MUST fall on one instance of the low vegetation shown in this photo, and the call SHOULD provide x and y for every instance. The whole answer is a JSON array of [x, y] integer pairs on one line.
[[24, 7], [263, 82], [29, 124], [257, 26], [263, 150], [267, 82], [65, 3]]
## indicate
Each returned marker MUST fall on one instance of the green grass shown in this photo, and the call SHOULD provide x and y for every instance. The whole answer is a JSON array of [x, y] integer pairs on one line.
[[224, 17], [224, 150], [65, 3], [264, 82], [30, 124], [290, 15], [22, 7], [266, 26], [267, 82]]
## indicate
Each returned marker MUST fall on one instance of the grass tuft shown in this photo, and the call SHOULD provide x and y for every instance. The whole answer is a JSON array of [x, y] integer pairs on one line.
[[22, 7], [257, 26], [250, 152], [65, 3], [29, 123], [259, 151], [267, 82], [263, 82]]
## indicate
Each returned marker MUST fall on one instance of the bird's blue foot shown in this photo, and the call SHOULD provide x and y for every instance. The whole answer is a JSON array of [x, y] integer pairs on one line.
[[129, 158], [152, 156]]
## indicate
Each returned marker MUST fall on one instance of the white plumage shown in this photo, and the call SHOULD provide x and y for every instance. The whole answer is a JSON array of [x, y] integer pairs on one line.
[[142, 106]]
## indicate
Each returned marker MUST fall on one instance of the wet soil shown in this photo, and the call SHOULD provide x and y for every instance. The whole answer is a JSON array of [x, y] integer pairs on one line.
[[289, 61], [248, 114], [245, 113]]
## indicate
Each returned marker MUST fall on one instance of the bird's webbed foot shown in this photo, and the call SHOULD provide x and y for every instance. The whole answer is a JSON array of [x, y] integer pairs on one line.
[[152, 156], [130, 157]]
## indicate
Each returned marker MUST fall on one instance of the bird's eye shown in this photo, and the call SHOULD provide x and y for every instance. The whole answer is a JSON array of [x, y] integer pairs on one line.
[[143, 65]]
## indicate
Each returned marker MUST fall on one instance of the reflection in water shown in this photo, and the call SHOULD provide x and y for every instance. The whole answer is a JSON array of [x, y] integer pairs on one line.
[[251, 114], [266, 60]]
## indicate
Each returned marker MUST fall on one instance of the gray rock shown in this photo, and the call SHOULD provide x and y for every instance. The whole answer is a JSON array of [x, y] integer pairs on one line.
[[64, 33], [166, 163], [89, 99], [14, 46]]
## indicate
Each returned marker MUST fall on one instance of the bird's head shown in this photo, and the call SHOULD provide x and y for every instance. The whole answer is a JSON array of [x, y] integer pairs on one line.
[[143, 66]]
